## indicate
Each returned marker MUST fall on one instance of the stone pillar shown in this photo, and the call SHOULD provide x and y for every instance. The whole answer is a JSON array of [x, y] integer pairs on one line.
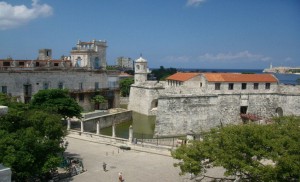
[[98, 127], [69, 124], [130, 134], [190, 135], [3, 110], [81, 124], [113, 130]]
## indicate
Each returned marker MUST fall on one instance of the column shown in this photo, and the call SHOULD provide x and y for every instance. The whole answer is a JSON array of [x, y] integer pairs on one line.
[[130, 134], [113, 130], [98, 127], [81, 122], [69, 124]]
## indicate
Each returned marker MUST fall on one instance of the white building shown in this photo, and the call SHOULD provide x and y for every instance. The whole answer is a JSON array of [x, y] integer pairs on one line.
[[90, 55]]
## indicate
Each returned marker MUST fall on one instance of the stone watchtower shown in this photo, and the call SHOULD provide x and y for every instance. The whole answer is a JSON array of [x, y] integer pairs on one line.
[[140, 70]]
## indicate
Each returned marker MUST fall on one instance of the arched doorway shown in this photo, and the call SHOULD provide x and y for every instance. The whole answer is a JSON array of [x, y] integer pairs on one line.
[[279, 111]]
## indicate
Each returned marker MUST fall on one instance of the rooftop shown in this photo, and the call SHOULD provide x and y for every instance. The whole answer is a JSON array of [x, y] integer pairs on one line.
[[238, 77], [179, 76]]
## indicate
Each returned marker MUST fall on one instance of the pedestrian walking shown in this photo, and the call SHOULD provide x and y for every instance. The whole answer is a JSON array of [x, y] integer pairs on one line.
[[120, 177], [104, 166]]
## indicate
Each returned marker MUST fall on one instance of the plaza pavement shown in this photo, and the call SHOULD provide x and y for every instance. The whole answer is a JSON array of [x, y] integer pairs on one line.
[[136, 165]]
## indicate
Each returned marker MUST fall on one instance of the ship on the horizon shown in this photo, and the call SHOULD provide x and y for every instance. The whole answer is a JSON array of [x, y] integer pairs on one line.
[[282, 69]]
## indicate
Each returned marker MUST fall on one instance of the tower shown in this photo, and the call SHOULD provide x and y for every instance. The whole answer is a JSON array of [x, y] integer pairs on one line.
[[140, 70], [45, 54]]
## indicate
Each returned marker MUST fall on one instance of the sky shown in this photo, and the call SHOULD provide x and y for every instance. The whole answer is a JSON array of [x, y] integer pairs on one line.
[[208, 34]]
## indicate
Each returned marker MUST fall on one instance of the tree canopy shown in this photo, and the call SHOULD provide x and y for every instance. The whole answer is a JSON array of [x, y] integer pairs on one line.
[[162, 73], [56, 101], [251, 152], [30, 140], [125, 86]]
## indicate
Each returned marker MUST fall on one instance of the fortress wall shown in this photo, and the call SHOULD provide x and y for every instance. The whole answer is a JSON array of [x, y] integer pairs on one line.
[[290, 104], [177, 115], [263, 105], [228, 109], [141, 99]]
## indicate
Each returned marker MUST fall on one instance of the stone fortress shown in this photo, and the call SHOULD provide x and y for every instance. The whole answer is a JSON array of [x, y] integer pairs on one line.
[[196, 102], [83, 73]]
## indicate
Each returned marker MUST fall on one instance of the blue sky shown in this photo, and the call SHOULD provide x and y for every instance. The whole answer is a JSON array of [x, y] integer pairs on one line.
[[242, 34]]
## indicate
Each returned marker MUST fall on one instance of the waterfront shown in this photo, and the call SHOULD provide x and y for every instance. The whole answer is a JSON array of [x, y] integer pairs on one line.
[[143, 127]]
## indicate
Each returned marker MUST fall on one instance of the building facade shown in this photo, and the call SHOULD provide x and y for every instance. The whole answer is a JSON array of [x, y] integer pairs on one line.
[[124, 63], [23, 78], [91, 55]]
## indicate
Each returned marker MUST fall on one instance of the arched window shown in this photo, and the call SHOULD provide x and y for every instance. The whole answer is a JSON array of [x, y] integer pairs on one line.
[[78, 62], [279, 111]]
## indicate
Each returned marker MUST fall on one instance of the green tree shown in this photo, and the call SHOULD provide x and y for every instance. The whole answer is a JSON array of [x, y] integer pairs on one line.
[[30, 140], [162, 73], [125, 86], [98, 100], [56, 101], [252, 152]]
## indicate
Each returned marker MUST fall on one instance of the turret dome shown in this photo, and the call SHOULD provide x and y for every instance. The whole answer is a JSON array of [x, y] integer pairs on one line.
[[140, 60]]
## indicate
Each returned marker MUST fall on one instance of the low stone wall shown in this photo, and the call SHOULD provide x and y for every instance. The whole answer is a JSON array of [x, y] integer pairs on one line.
[[115, 116]]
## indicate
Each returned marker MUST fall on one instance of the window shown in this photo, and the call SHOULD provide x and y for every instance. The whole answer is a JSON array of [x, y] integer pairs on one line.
[[96, 85], [137, 67], [255, 86], [55, 64], [200, 84], [78, 62], [243, 109], [4, 89], [37, 64], [217, 86], [81, 86], [230, 86], [268, 85], [21, 63], [81, 97], [244, 86], [46, 86], [61, 85], [6, 63]]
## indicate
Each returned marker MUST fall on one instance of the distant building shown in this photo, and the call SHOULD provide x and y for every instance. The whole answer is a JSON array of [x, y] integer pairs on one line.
[[89, 54], [125, 63], [83, 74]]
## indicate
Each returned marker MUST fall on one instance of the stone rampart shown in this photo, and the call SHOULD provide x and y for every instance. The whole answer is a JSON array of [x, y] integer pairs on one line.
[[178, 114]]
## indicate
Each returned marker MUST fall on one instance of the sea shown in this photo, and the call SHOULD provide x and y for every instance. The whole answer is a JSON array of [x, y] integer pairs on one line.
[[287, 79]]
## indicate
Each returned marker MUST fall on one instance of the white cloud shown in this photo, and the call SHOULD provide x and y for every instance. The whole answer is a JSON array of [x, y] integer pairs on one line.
[[14, 16], [240, 56], [194, 2]]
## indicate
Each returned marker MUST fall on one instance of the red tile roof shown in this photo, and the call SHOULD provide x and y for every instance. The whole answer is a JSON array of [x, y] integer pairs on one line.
[[238, 77], [182, 76]]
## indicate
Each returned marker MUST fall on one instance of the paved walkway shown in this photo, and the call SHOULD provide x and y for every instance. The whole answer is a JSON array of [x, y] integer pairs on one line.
[[136, 166]]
